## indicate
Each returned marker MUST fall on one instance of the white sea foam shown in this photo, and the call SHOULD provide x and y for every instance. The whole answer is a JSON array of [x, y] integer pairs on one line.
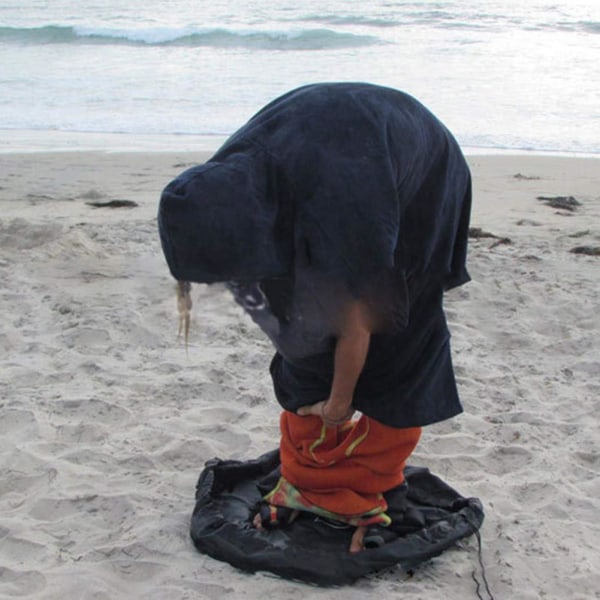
[[280, 39]]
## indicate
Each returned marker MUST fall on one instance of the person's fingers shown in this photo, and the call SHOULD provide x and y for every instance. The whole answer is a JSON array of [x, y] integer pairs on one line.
[[358, 539], [310, 409], [257, 521]]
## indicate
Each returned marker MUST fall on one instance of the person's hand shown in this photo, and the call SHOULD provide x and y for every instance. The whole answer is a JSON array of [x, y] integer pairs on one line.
[[332, 413]]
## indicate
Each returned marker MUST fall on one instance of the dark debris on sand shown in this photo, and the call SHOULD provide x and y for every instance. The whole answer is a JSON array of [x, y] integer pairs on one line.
[[478, 233], [560, 202], [114, 204], [184, 165], [526, 177], [588, 250]]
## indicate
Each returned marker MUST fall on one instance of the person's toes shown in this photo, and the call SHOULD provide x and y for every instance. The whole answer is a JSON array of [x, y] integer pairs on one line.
[[358, 538]]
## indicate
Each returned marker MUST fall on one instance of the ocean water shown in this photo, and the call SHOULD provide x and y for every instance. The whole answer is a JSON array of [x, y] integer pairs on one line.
[[184, 74]]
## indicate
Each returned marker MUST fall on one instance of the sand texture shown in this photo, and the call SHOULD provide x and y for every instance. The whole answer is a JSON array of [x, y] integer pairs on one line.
[[105, 422]]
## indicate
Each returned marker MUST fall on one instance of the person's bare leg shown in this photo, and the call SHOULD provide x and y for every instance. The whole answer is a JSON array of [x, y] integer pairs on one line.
[[358, 539], [184, 306]]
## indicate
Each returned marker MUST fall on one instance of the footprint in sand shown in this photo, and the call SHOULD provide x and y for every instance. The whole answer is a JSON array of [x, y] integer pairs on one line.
[[87, 338], [107, 513], [505, 460], [18, 551], [27, 483], [19, 234], [18, 424], [14, 584], [91, 411]]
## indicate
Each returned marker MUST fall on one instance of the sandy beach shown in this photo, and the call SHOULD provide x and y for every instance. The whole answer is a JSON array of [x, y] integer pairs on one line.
[[106, 421]]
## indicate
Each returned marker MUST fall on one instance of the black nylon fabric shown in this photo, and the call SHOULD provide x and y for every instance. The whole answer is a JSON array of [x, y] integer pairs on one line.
[[429, 518]]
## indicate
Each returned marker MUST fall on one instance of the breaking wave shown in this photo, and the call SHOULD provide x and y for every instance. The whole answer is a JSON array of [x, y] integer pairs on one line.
[[300, 39]]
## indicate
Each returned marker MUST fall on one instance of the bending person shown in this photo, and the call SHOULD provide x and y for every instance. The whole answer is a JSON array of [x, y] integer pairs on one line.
[[337, 216]]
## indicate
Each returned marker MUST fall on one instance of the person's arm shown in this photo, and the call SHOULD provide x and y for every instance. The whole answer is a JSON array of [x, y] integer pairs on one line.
[[351, 351]]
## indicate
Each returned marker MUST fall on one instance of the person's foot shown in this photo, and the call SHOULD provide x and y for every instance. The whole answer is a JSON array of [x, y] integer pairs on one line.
[[358, 539], [270, 516], [257, 521]]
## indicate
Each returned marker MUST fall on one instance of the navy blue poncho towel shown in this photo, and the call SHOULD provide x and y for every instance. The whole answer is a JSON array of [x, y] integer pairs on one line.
[[335, 191]]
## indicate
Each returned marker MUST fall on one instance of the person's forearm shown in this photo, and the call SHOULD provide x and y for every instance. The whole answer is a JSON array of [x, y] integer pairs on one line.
[[351, 351], [352, 346], [350, 356]]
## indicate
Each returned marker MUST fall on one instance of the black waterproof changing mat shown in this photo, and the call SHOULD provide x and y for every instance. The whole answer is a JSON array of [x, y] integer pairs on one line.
[[430, 518]]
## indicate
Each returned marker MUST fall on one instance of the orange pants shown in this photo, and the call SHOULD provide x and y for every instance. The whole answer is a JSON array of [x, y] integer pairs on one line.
[[342, 470]]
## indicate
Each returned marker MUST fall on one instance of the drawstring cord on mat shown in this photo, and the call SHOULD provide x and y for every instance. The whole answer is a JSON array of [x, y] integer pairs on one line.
[[474, 576]]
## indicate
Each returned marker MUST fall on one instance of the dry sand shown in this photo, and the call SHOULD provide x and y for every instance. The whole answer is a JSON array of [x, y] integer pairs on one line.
[[105, 422]]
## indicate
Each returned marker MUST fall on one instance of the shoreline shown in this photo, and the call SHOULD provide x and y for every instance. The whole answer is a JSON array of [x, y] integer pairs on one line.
[[47, 141]]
